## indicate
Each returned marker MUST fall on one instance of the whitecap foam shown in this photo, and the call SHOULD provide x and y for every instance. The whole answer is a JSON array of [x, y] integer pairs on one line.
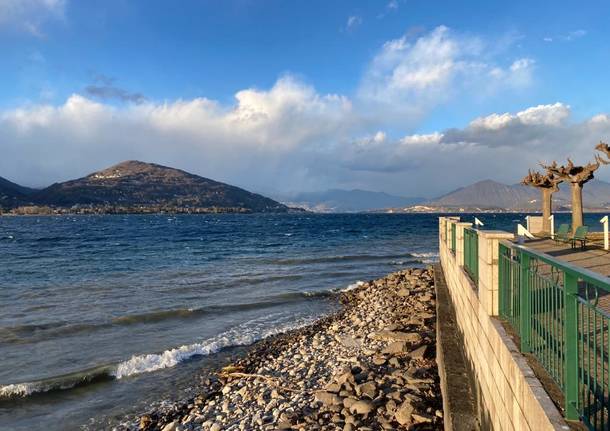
[[353, 286], [17, 390], [427, 257], [242, 335]]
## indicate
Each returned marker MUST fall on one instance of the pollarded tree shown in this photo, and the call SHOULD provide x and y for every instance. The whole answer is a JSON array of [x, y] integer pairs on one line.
[[603, 148], [548, 184], [577, 176]]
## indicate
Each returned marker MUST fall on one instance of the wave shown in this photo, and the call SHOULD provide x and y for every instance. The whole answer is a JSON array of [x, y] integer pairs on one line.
[[427, 257], [23, 334], [353, 286], [339, 258], [58, 383], [242, 335]]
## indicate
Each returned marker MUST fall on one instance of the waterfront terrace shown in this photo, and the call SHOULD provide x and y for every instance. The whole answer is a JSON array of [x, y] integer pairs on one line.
[[534, 318]]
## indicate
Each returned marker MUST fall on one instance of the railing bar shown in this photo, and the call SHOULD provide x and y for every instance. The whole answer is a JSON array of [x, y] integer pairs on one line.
[[589, 359], [553, 326], [545, 318], [601, 311], [559, 324], [603, 372], [605, 384], [581, 356], [596, 394], [585, 274]]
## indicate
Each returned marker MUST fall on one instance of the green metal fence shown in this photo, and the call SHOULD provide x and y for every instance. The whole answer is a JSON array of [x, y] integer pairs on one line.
[[509, 282], [471, 253], [560, 313], [453, 237]]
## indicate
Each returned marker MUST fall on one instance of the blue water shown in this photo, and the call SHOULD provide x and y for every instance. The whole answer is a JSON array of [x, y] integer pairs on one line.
[[103, 315]]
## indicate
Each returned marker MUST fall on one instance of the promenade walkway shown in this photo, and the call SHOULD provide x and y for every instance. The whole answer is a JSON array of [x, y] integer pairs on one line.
[[593, 258]]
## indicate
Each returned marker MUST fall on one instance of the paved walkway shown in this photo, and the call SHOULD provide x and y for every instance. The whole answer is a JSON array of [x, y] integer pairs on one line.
[[593, 258]]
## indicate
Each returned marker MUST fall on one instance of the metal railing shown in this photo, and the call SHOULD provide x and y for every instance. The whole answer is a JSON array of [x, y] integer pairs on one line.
[[471, 253], [556, 310]]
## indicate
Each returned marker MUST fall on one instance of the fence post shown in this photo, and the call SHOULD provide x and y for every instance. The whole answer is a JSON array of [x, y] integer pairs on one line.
[[570, 343], [524, 302], [503, 283]]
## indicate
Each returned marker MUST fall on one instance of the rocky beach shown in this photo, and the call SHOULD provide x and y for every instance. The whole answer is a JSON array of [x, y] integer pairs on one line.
[[369, 366]]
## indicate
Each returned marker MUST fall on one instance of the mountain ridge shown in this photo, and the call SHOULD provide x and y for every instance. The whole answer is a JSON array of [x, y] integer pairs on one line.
[[341, 200], [134, 184], [490, 194]]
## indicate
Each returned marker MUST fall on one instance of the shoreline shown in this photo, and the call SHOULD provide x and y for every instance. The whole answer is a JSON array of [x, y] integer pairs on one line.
[[370, 365]]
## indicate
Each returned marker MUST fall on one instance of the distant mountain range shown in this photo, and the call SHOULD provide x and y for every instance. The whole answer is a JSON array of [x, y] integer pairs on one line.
[[336, 200], [135, 186], [489, 195]]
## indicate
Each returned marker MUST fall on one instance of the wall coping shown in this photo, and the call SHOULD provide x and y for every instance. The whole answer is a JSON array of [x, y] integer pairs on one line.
[[496, 234]]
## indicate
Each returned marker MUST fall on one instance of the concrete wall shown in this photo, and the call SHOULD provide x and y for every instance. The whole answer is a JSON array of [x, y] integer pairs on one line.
[[534, 224], [510, 397]]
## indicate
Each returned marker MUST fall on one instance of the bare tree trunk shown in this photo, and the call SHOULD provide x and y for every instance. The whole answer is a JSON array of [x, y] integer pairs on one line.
[[576, 206], [547, 208]]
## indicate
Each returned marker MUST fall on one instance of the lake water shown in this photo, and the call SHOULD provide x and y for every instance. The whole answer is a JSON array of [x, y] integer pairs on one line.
[[103, 315]]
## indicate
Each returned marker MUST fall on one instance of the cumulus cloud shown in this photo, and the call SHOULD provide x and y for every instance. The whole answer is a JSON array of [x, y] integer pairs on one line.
[[290, 137], [29, 15], [263, 136], [287, 138], [413, 76], [498, 146]]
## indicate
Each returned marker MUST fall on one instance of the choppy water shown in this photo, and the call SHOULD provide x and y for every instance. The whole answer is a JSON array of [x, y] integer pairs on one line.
[[102, 315]]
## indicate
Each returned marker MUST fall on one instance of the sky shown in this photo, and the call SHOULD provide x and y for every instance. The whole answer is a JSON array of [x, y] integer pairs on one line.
[[414, 98]]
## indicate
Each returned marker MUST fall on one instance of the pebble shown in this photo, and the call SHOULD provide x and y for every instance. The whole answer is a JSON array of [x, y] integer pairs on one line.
[[363, 368]]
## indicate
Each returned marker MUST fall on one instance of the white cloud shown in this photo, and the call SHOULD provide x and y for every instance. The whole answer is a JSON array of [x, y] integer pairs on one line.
[[498, 146], [29, 15], [413, 76], [568, 37], [286, 138], [353, 21], [291, 137], [548, 115], [246, 143]]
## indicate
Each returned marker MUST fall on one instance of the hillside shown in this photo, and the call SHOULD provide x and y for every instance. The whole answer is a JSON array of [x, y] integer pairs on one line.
[[336, 200], [490, 194], [135, 183], [12, 194]]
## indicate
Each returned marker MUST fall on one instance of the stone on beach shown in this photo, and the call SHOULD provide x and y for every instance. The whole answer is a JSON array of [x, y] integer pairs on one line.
[[366, 367]]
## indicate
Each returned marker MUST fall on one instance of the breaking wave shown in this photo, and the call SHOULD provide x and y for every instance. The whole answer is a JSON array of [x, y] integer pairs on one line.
[[242, 335]]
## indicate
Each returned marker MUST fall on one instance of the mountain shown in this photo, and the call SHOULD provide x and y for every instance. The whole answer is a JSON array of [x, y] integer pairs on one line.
[[490, 194], [135, 183], [336, 200], [12, 194]]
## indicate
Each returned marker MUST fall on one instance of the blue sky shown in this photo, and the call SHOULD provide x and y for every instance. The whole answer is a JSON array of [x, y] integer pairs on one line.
[[353, 94]]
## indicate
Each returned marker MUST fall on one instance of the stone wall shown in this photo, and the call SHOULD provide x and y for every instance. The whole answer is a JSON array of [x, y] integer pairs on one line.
[[510, 397]]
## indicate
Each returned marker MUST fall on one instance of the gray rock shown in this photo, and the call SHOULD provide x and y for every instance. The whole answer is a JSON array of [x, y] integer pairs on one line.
[[361, 407], [170, 426], [328, 399], [403, 413], [394, 348], [419, 352]]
